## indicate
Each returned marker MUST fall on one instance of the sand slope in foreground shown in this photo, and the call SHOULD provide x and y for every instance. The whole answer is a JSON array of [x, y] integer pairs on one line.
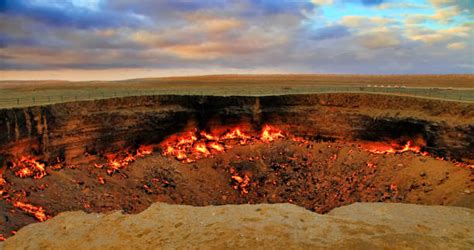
[[284, 226]]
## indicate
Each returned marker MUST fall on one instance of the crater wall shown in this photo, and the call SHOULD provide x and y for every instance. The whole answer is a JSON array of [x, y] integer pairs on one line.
[[69, 130]]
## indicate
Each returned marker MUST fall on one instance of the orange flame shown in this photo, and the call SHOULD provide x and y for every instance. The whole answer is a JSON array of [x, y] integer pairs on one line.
[[236, 134], [180, 155], [28, 166], [3, 184], [379, 148], [201, 148], [192, 145], [144, 150], [216, 146], [121, 160], [38, 212], [270, 133], [209, 136]]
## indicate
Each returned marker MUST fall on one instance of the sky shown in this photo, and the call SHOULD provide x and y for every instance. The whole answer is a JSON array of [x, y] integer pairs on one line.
[[120, 39]]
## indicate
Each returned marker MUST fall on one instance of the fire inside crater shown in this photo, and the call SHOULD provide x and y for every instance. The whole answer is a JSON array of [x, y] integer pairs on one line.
[[233, 165]]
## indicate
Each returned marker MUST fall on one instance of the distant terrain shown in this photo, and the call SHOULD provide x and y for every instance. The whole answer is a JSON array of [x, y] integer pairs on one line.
[[455, 81], [31, 93]]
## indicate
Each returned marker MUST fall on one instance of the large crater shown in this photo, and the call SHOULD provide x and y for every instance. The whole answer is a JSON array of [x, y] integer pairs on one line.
[[320, 155]]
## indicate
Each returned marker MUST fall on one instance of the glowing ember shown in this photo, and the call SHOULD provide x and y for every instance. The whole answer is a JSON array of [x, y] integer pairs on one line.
[[237, 134], [101, 180], [28, 166], [393, 148], [270, 134], [180, 155], [464, 165], [144, 150], [201, 148], [188, 138], [371, 165], [38, 212], [115, 162], [216, 146], [300, 140], [241, 183], [3, 184], [209, 136], [192, 145]]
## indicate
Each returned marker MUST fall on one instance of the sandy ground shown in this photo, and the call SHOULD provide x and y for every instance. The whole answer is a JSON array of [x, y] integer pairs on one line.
[[277, 226]]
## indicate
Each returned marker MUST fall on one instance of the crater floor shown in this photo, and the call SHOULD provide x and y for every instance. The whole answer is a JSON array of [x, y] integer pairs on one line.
[[317, 175]]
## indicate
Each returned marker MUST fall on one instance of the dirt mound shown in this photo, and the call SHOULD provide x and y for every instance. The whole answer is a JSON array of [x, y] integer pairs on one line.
[[360, 225]]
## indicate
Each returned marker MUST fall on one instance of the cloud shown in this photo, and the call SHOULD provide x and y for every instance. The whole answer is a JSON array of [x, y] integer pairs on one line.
[[245, 35], [214, 50], [67, 14], [441, 2], [244, 8], [466, 6], [416, 19], [269, 7], [400, 5], [366, 22], [366, 2], [329, 32], [446, 12], [456, 46], [322, 2], [189, 33], [379, 40], [446, 15], [436, 36], [214, 24]]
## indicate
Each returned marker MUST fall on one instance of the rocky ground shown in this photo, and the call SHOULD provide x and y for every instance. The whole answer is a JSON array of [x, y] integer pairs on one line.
[[277, 226]]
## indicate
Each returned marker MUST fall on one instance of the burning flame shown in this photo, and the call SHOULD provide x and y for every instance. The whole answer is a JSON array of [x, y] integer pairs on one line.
[[216, 146], [193, 145], [237, 134], [115, 162], [3, 184], [144, 150], [201, 148], [29, 166], [209, 136], [393, 148], [270, 134], [38, 212]]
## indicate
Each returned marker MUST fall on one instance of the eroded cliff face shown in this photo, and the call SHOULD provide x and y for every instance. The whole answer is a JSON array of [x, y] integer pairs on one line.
[[69, 130]]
